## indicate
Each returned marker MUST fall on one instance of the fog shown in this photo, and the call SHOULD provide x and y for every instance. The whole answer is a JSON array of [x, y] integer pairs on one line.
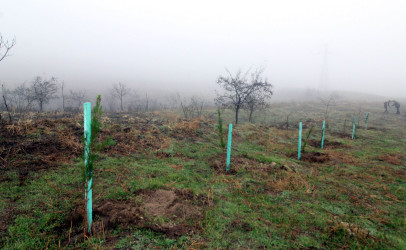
[[183, 46]]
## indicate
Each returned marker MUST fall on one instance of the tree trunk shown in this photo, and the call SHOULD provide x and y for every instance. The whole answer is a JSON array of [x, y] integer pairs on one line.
[[251, 111], [121, 103], [40, 106], [236, 114], [8, 111], [63, 98], [146, 104]]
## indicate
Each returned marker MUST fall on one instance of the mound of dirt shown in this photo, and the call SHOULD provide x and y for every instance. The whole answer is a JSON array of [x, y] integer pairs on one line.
[[118, 212], [312, 156], [327, 144], [218, 164], [315, 157], [174, 213]]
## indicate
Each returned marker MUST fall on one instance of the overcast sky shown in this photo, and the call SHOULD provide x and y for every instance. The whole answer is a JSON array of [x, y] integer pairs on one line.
[[185, 45]]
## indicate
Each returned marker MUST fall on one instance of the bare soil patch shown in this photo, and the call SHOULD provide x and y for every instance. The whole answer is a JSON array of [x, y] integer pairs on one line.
[[35, 146], [218, 164], [130, 141], [314, 157], [174, 213], [327, 144]]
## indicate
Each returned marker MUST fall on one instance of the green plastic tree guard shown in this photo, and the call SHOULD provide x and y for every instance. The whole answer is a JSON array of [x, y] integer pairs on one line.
[[230, 129], [88, 174], [322, 136], [353, 128], [299, 148]]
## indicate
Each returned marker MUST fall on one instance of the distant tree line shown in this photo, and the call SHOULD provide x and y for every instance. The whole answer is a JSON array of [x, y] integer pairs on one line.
[[41, 94], [248, 91], [242, 91], [38, 94]]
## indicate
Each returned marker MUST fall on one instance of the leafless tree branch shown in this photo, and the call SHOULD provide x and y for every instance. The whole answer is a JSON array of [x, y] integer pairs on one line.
[[5, 47]]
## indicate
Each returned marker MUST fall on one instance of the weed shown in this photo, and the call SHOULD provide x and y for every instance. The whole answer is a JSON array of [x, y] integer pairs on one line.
[[220, 129], [306, 139]]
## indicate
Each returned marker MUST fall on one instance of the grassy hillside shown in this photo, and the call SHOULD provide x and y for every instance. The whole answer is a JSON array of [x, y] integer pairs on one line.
[[162, 183]]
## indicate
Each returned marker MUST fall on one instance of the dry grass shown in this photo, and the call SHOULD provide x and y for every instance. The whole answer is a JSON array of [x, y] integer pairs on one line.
[[289, 181]]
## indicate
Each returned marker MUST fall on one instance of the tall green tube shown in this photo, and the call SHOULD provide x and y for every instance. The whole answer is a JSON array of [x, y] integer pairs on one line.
[[87, 116], [299, 148], [230, 129], [353, 128], [322, 137]]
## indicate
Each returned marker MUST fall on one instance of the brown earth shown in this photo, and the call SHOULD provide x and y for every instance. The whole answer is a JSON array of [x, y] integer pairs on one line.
[[327, 144], [174, 213], [314, 157], [35, 146], [218, 164]]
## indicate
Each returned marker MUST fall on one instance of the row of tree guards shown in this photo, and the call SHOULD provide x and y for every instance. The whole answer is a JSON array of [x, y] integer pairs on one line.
[[88, 169], [300, 138], [323, 133]]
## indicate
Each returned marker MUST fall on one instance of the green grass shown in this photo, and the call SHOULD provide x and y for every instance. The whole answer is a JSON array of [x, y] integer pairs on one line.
[[272, 200]]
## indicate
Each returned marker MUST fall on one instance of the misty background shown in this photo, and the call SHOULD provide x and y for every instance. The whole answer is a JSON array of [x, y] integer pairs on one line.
[[162, 47]]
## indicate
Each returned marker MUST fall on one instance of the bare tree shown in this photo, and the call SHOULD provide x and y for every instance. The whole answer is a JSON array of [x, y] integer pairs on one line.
[[287, 120], [110, 101], [135, 103], [63, 96], [4, 92], [154, 104], [23, 98], [77, 98], [258, 98], [187, 109], [173, 100], [43, 90], [192, 107], [120, 90], [146, 102], [5, 47], [198, 103], [256, 101], [238, 89]]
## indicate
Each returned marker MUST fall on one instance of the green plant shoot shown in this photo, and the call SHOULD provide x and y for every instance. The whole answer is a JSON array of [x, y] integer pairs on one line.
[[307, 137], [220, 129]]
